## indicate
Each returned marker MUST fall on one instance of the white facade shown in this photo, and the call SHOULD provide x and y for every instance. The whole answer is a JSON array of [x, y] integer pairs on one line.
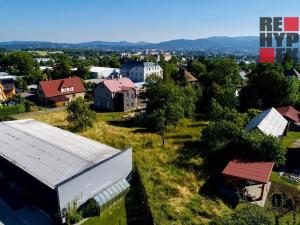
[[138, 71], [92, 181]]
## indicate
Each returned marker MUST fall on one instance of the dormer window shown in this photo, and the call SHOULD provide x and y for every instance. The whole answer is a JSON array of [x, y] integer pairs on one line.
[[69, 89]]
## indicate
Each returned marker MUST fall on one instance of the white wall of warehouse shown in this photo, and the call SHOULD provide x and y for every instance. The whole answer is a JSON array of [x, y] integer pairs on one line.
[[91, 182]]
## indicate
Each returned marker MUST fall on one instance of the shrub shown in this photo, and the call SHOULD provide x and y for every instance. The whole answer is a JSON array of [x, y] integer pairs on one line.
[[6, 111], [73, 216], [224, 141], [249, 214], [89, 208], [80, 116]]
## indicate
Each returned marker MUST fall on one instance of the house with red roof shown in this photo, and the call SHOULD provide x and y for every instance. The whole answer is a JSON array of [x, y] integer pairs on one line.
[[60, 92], [184, 74], [115, 95], [289, 113]]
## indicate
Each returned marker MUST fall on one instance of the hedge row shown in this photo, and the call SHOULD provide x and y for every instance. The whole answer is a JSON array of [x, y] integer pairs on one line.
[[6, 111]]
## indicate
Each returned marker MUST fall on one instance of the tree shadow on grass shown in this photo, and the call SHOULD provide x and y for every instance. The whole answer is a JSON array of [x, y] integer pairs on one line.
[[137, 210], [197, 125], [187, 136], [138, 125], [193, 157], [124, 123], [189, 156], [293, 158]]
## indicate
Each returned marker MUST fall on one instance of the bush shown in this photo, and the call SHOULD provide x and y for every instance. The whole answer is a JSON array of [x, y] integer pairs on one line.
[[247, 214], [73, 217], [6, 111], [89, 208], [80, 116], [28, 106], [224, 141]]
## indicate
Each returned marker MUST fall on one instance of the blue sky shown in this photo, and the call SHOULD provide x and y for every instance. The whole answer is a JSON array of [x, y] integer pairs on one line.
[[135, 20]]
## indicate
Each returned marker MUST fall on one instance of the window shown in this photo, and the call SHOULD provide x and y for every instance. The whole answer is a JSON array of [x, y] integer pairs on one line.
[[69, 89], [132, 104], [127, 94]]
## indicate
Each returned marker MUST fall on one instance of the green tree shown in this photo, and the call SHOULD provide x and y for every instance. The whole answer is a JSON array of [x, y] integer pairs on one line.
[[80, 116], [83, 69], [170, 71], [220, 83], [21, 83], [267, 86], [21, 63], [168, 102], [62, 68], [216, 110], [159, 123], [292, 96], [247, 214], [35, 76], [197, 68], [190, 99], [224, 141], [114, 62]]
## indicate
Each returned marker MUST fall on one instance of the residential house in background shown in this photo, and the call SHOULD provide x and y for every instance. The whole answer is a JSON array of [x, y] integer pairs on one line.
[[138, 71], [184, 74], [270, 122], [167, 56], [2, 95], [115, 95], [7, 88], [60, 92], [289, 113]]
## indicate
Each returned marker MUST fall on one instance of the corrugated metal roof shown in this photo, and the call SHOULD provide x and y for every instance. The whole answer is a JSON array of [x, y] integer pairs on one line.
[[49, 154], [270, 122], [255, 171]]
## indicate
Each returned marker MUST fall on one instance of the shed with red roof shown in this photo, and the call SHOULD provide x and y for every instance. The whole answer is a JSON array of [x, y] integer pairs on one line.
[[251, 179], [254, 171]]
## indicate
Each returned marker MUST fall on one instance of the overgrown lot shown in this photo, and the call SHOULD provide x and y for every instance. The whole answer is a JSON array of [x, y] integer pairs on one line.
[[172, 176]]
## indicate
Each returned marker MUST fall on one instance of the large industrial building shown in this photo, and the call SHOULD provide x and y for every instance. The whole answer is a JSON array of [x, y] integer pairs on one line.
[[58, 168]]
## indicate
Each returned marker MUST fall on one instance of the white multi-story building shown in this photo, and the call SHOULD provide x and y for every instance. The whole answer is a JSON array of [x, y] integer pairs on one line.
[[139, 71]]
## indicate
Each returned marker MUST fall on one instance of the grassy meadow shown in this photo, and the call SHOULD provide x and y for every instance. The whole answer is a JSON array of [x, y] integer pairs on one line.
[[173, 176]]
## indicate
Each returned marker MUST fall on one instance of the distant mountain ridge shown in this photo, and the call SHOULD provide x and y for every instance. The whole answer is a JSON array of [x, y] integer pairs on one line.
[[223, 42]]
